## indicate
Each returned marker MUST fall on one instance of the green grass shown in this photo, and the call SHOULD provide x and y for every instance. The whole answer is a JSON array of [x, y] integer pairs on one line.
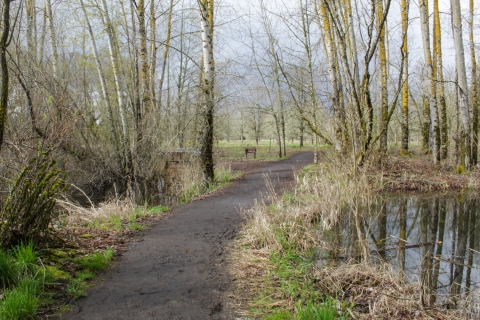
[[136, 226], [26, 257], [157, 209], [21, 302], [78, 285], [8, 269], [292, 270], [96, 261], [25, 282]]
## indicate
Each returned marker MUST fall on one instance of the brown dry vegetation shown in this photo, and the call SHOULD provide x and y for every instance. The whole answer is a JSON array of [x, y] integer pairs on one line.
[[397, 173], [292, 222]]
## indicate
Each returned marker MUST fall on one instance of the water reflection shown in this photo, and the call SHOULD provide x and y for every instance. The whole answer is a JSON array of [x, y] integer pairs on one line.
[[429, 238]]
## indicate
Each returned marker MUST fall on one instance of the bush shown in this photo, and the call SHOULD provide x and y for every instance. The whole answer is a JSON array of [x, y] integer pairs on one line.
[[27, 211]]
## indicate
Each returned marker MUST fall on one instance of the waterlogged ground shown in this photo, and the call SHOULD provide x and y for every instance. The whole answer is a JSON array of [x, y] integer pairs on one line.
[[430, 238], [176, 270]]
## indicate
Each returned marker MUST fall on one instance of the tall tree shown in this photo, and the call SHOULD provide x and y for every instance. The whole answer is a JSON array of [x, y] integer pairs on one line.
[[166, 50], [332, 71], [206, 14], [383, 76], [53, 38], [435, 134], [440, 85], [112, 47], [462, 86], [475, 105], [4, 75], [405, 112], [145, 76], [105, 93]]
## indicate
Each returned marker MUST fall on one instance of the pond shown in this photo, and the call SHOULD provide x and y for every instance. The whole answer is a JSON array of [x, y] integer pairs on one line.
[[427, 238]]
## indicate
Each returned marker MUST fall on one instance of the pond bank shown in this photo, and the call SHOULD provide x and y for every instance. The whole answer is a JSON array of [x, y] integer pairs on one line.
[[275, 257]]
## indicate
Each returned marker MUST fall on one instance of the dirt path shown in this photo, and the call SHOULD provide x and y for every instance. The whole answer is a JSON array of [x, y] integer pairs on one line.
[[175, 270]]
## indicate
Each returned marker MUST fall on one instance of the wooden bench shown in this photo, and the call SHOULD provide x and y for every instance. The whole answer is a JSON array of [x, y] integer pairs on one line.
[[182, 154], [251, 150]]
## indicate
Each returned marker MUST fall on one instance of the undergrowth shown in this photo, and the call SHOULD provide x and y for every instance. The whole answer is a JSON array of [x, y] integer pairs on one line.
[[30, 281]]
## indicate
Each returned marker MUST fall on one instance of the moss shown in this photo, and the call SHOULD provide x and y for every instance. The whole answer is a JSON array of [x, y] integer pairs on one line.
[[57, 273], [406, 153], [460, 170]]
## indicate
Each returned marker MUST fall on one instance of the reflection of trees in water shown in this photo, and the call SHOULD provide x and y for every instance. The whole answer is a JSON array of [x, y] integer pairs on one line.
[[427, 238]]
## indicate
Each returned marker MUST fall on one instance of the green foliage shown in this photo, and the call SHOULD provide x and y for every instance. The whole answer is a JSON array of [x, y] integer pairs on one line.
[[78, 285], [27, 211], [460, 170], [406, 153], [136, 226], [279, 315], [116, 223], [157, 209], [96, 261], [21, 302], [26, 257], [8, 269], [318, 311]]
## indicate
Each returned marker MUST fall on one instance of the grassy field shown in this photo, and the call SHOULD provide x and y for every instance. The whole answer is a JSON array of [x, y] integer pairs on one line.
[[234, 150]]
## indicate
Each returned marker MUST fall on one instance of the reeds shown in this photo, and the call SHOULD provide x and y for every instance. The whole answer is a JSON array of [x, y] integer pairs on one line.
[[323, 195], [293, 224]]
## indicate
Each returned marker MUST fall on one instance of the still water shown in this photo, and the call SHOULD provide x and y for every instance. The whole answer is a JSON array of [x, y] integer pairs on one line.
[[429, 238]]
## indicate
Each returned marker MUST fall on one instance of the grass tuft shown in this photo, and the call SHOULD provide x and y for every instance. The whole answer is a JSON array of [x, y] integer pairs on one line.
[[21, 302], [96, 261], [8, 269]]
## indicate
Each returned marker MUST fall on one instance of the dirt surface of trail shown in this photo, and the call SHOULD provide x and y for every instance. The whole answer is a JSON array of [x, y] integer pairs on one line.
[[176, 269]]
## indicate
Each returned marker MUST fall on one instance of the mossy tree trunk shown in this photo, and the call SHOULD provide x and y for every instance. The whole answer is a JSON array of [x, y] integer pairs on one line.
[[440, 85], [405, 110], [206, 12], [4, 75], [435, 132], [474, 89], [462, 80]]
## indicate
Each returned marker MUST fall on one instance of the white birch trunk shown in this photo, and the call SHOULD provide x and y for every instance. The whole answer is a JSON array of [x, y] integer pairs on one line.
[[53, 41], [462, 76], [432, 92], [208, 77], [103, 83], [118, 85]]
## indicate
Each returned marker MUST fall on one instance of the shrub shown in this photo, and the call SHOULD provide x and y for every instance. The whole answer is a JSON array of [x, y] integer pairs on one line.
[[27, 211]]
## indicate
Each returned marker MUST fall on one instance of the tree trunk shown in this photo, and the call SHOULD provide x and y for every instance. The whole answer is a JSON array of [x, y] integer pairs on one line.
[[405, 111], [441, 87], [105, 94], [462, 78], [206, 12], [53, 40], [32, 31], [384, 77], [153, 55], [145, 76], [165, 54], [120, 100], [332, 71], [432, 88], [474, 90], [4, 76]]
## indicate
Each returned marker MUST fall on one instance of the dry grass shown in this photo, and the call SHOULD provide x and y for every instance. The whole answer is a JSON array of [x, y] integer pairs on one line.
[[322, 196], [379, 293], [399, 173], [76, 215]]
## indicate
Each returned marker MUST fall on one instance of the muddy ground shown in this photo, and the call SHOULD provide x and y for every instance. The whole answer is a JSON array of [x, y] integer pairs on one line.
[[176, 269]]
